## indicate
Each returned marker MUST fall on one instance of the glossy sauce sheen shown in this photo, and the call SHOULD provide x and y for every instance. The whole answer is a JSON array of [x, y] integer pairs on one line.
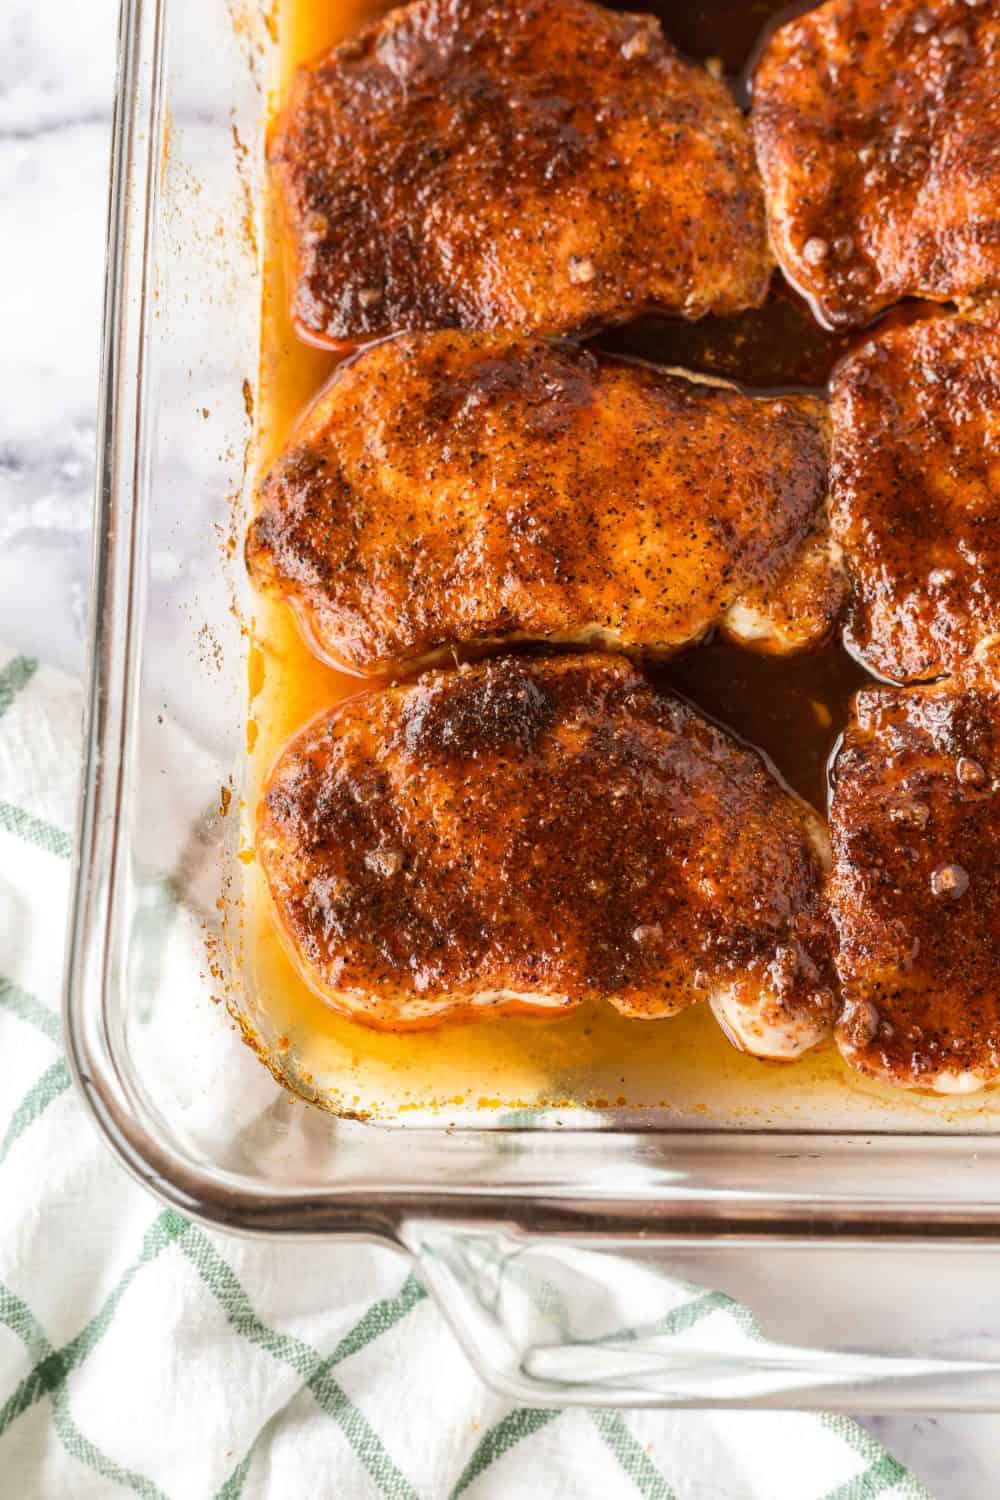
[[793, 709]]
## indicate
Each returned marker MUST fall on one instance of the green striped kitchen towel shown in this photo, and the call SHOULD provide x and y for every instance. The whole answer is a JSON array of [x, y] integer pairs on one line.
[[140, 1353]]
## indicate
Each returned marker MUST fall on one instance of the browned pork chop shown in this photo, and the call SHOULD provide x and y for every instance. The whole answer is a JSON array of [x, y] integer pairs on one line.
[[543, 165], [527, 834], [916, 492], [877, 126], [915, 821], [454, 488]]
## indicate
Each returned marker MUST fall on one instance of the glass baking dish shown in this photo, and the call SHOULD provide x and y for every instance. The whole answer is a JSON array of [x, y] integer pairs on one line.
[[559, 1237]]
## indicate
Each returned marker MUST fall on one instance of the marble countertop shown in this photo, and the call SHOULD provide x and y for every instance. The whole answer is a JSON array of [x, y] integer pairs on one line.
[[56, 80]]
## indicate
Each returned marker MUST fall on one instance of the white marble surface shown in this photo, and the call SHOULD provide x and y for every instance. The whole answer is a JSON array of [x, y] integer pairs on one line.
[[56, 80]]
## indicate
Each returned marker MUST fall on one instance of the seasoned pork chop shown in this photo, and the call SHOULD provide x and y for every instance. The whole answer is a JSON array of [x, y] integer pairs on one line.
[[542, 165], [452, 488], [527, 834], [916, 492], [915, 821], [877, 126]]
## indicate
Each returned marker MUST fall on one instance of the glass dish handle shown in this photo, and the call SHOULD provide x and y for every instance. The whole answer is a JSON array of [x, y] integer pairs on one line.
[[559, 1321]]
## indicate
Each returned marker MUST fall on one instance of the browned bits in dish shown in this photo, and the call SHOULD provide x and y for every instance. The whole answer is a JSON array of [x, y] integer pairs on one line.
[[877, 127], [453, 488], [548, 165], [530, 833], [915, 821], [916, 492]]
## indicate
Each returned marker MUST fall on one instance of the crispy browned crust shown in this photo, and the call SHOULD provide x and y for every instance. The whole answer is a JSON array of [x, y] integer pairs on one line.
[[544, 165], [916, 493], [453, 488], [531, 833], [916, 827], [877, 127]]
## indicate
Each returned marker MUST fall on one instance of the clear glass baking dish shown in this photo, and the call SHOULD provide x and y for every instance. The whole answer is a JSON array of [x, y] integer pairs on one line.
[[558, 1238]]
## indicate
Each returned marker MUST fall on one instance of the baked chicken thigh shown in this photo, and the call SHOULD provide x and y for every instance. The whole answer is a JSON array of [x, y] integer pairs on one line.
[[877, 127], [915, 821], [530, 833], [546, 165], [458, 488], [916, 493]]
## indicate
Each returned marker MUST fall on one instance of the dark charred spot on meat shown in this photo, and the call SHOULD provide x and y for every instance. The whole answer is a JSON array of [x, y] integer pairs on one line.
[[502, 706]]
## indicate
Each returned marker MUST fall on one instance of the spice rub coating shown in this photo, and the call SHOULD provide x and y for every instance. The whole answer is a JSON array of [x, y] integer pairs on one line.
[[915, 821], [877, 128], [530, 833], [546, 165], [916, 492], [453, 488]]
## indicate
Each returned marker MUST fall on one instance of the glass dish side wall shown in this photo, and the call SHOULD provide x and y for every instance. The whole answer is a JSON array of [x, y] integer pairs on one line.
[[192, 1113]]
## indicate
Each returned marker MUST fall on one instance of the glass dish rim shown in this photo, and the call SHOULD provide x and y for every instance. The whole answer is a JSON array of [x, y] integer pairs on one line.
[[681, 1181]]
